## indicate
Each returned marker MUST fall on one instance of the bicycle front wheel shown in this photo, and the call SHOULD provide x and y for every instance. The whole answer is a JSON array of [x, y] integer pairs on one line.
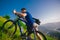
[[37, 36], [9, 27]]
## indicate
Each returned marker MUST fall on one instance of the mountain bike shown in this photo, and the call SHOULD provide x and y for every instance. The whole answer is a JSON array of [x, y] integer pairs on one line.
[[10, 26]]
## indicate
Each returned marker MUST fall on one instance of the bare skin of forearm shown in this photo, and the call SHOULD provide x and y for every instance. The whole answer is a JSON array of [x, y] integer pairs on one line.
[[18, 13]]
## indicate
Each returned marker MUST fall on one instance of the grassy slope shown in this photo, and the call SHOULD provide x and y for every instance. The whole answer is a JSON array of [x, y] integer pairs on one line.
[[2, 35], [2, 20], [5, 36], [50, 38]]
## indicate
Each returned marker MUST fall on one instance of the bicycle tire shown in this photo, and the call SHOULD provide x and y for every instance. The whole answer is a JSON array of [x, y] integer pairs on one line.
[[14, 26], [40, 33]]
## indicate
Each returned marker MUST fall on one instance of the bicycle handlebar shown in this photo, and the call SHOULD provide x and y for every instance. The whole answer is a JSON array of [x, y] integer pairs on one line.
[[21, 20]]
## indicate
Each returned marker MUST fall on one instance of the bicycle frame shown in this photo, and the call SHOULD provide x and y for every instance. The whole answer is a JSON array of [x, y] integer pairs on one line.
[[17, 21]]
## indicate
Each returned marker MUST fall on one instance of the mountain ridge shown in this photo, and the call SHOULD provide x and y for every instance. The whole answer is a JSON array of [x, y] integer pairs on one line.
[[50, 26]]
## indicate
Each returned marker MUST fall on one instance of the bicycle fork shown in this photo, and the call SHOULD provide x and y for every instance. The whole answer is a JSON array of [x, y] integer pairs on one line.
[[20, 27], [21, 31]]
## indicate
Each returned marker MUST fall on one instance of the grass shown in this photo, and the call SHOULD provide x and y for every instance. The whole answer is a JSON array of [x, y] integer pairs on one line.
[[4, 36], [50, 38], [2, 20]]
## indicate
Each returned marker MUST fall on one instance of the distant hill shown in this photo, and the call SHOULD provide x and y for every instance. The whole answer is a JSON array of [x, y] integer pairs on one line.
[[50, 26], [58, 29]]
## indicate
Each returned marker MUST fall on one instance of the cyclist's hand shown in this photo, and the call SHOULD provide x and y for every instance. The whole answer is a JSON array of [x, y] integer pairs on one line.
[[14, 11]]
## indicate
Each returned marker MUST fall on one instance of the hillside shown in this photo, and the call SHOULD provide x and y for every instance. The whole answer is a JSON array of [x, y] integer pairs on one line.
[[4, 36], [50, 26], [2, 20]]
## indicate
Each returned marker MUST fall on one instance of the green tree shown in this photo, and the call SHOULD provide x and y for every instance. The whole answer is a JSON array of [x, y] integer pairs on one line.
[[7, 16]]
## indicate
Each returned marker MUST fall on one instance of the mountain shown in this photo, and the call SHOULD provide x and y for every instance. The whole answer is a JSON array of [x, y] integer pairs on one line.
[[58, 29], [50, 27]]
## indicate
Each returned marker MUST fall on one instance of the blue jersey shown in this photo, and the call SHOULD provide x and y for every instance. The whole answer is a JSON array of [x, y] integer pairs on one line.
[[29, 19]]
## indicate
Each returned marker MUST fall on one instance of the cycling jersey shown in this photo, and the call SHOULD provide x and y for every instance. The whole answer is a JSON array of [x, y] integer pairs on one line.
[[29, 19]]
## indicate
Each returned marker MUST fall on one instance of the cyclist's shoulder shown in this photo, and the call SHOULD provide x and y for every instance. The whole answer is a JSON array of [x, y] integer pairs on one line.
[[27, 12]]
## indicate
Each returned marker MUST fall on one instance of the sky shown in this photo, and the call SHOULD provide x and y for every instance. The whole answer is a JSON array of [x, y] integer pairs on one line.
[[46, 11]]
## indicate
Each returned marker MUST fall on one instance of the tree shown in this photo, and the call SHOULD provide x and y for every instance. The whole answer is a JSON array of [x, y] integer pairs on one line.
[[7, 16]]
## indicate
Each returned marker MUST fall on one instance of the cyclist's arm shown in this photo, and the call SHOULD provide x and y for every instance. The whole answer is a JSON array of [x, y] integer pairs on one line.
[[19, 14]]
